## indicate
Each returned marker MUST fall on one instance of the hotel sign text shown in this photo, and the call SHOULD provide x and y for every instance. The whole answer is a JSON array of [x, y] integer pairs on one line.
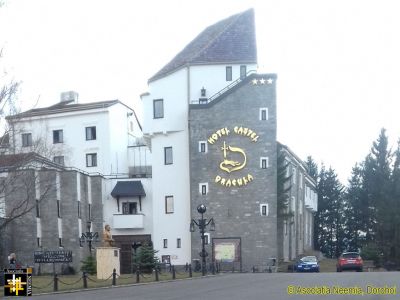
[[234, 158]]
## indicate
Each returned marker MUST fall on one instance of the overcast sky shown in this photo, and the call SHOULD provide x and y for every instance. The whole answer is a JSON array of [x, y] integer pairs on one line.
[[338, 62]]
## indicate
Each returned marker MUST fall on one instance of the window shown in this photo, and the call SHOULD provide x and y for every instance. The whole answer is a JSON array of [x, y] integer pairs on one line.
[[293, 204], [229, 73], [91, 160], [286, 229], [60, 243], [206, 238], [26, 139], [263, 114], [131, 126], [129, 208], [59, 160], [90, 133], [264, 162], [203, 146], [287, 164], [79, 209], [158, 108], [169, 204], [168, 155], [243, 72], [58, 208], [203, 188], [301, 180], [38, 242], [165, 243], [294, 175], [90, 211], [37, 209], [57, 136], [178, 243], [264, 209]]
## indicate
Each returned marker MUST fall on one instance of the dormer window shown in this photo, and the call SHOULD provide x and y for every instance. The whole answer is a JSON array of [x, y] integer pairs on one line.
[[203, 92]]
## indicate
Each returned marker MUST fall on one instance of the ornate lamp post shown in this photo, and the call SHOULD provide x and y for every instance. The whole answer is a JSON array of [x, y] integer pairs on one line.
[[135, 246], [202, 225], [89, 237]]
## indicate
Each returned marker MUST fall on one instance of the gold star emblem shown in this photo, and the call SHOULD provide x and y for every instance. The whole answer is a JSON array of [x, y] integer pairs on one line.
[[262, 81], [269, 80], [254, 81]]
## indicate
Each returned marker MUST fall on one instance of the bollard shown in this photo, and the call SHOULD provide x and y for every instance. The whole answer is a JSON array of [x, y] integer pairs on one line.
[[173, 273], [190, 271], [84, 277], [55, 282], [114, 277], [137, 276], [157, 279]]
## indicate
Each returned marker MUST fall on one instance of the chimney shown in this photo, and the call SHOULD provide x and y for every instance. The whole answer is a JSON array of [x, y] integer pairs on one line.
[[69, 97]]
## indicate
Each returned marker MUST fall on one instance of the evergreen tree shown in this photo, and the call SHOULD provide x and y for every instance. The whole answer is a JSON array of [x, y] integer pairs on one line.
[[89, 265], [356, 213], [376, 186], [329, 221], [395, 195], [312, 168], [145, 258]]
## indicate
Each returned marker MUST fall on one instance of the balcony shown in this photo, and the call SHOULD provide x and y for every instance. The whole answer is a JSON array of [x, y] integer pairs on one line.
[[121, 221]]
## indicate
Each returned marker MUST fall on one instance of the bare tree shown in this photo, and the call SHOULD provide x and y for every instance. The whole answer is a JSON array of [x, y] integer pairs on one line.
[[22, 188]]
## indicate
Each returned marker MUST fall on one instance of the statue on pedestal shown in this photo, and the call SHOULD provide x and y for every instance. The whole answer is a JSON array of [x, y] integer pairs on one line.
[[107, 238]]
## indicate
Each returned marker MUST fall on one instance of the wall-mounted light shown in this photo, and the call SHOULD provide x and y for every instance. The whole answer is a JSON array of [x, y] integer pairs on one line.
[[203, 92]]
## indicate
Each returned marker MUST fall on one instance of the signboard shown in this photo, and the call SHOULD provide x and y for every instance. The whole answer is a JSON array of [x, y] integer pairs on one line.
[[226, 249], [234, 158], [59, 256], [18, 282]]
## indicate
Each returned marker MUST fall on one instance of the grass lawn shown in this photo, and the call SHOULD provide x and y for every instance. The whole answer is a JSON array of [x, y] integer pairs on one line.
[[45, 284]]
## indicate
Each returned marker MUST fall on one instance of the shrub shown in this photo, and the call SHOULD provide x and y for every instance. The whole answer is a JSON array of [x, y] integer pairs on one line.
[[89, 265], [145, 258]]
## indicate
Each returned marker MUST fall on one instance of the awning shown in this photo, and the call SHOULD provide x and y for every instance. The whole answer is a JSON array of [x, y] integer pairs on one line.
[[128, 189]]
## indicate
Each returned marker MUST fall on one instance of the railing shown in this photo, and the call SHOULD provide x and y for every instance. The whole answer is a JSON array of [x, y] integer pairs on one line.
[[225, 89], [84, 281], [132, 221]]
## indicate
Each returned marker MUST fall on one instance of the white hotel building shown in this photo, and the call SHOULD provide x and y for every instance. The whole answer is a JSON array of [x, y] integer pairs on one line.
[[149, 189]]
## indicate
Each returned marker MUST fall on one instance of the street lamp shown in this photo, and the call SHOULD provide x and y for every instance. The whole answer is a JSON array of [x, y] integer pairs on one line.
[[202, 225], [89, 237], [135, 246]]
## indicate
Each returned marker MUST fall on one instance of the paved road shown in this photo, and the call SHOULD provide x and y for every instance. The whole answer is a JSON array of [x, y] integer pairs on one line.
[[248, 286]]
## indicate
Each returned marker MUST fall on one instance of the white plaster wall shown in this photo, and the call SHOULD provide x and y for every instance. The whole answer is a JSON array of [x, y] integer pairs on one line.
[[172, 180], [112, 137], [75, 146], [212, 78], [110, 206], [173, 89], [119, 128]]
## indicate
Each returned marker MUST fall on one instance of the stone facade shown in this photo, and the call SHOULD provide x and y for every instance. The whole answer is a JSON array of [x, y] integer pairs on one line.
[[237, 209], [295, 234], [52, 227]]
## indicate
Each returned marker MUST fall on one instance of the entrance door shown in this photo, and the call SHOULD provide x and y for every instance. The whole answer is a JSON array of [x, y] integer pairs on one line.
[[124, 242]]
